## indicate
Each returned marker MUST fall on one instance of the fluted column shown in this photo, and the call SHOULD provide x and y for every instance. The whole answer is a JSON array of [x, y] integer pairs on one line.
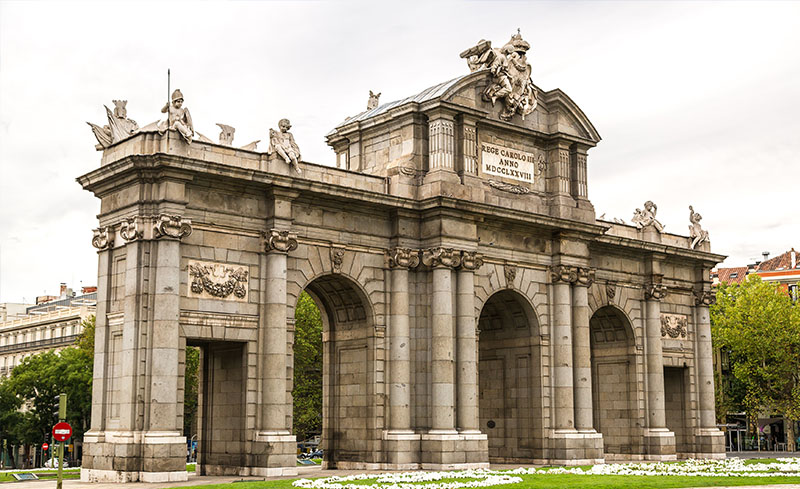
[[656, 417], [466, 340], [705, 367], [277, 244], [442, 261], [400, 260], [563, 404], [581, 350]]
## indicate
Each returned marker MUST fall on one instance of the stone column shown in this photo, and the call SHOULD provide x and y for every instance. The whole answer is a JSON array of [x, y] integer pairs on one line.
[[277, 244], [402, 444], [399, 341], [709, 440], [442, 261], [581, 350], [104, 242], [467, 345], [660, 442], [563, 405]]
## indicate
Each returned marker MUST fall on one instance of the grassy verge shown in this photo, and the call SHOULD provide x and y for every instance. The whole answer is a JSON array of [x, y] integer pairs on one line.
[[47, 475]]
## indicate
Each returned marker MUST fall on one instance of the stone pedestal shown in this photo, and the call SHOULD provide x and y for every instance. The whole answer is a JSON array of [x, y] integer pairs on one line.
[[402, 450], [453, 450], [570, 447], [709, 443], [132, 456], [659, 444], [273, 454]]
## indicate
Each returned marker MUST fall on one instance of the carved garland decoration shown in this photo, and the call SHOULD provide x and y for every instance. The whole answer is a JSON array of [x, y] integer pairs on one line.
[[674, 325], [508, 187], [234, 282]]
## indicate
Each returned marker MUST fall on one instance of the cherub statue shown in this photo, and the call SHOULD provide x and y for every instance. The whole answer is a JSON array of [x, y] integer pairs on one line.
[[282, 142], [647, 217], [226, 135], [372, 103], [178, 117], [696, 233]]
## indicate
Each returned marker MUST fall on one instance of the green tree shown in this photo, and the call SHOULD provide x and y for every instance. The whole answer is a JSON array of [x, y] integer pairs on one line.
[[307, 391], [190, 391], [10, 419], [759, 327]]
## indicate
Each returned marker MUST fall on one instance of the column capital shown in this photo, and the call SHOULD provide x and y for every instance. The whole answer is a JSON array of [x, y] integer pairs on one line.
[[705, 297], [103, 238], [586, 276], [129, 229], [655, 291], [563, 273], [471, 260], [171, 226], [279, 241], [441, 258], [403, 258]]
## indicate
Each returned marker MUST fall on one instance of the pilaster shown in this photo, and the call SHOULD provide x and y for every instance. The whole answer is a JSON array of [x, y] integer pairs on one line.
[[709, 440]]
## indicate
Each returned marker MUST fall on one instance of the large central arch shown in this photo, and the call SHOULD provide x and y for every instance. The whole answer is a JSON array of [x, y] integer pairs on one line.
[[348, 397], [510, 377]]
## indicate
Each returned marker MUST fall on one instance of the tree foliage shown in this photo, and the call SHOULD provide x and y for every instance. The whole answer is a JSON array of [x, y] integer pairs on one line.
[[759, 327], [190, 391], [307, 391]]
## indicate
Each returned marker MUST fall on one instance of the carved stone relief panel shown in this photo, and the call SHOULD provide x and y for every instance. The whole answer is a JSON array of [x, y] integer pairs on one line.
[[674, 325], [222, 281]]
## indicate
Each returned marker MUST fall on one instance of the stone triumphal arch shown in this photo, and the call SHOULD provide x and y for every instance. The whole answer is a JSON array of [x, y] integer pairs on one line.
[[474, 308]]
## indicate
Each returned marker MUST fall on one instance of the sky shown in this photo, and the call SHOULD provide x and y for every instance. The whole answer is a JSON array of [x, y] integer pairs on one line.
[[696, 102]]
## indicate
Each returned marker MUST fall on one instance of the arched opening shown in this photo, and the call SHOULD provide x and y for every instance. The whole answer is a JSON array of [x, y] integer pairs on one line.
[[614, 382], [348, 372], [509, 378]]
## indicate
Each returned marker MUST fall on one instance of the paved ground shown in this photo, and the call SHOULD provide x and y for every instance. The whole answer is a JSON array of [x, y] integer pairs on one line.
[[317, 471]]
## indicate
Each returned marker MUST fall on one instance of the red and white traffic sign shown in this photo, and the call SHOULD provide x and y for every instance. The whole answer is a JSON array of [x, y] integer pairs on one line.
[[45, 446], [62, 431]]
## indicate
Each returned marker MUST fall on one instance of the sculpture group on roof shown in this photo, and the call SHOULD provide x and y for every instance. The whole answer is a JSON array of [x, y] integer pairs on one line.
[[179, 119], [511, 75]]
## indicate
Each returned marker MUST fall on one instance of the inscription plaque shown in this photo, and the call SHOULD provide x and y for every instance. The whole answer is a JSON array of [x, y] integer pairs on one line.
[[509, 163]]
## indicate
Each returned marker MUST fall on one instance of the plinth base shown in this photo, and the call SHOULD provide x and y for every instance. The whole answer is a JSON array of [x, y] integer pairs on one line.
[[271, 454], [659, 445], [131, 456], [402, 450], [709, 444], [572, 447], [448, 450]]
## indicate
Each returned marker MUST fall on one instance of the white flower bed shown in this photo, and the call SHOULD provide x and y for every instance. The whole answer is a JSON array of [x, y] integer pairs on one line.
[[732, 467], [414, 480]]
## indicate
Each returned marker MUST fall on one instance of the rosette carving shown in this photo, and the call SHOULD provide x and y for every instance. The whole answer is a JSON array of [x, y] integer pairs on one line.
[[218, 280], [172, 227], [441, 257], [705, 297], [471, 260], [563, 273], [279, 241], [403, 258], [129, 229], [103, 238]]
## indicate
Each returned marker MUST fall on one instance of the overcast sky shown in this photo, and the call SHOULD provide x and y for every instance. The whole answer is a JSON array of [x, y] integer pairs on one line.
[[697, 103]]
